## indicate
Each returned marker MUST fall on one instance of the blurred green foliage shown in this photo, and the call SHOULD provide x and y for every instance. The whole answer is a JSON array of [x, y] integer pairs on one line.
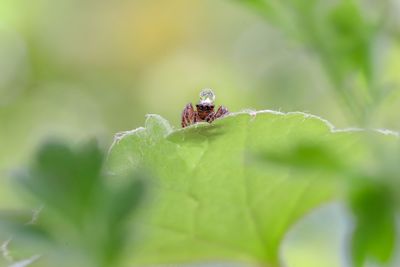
[[80, 212], [343, 38], [375, 231]]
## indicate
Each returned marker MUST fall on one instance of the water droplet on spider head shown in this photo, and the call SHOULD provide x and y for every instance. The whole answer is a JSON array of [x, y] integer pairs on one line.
[[207, 96]]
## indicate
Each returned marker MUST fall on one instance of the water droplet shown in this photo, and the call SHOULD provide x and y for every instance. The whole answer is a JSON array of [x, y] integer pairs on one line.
[[207, 96]]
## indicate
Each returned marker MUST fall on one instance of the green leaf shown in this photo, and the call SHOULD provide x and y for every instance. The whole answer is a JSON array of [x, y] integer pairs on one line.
[[375, 229], [82, 216], [351, 36], [122, 204], [214, 199], [66, 179]]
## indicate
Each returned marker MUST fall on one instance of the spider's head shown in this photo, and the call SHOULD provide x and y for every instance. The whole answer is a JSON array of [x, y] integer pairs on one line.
[[206, 105], [204, 110]]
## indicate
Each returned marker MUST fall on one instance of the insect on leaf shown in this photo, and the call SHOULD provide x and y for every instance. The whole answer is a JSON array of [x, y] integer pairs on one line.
[[215, 201]]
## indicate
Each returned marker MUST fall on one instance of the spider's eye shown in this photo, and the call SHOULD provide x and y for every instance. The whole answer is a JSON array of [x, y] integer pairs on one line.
[[211, 107]]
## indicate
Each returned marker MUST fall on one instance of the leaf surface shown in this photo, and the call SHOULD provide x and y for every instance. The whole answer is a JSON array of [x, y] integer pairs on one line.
[[217, 199]]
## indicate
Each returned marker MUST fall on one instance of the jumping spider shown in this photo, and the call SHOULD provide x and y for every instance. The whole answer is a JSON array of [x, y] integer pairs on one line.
[[204, 110]]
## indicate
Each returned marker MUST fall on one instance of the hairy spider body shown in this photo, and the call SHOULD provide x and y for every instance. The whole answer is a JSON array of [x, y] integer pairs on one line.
[[204, 110]]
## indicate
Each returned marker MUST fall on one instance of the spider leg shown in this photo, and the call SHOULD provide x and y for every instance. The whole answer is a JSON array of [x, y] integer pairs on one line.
[[188, 115], [221, 112]]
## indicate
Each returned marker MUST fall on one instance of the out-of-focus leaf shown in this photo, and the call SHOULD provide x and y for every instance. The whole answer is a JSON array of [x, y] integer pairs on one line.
[[342, 37], [81, 215], [350, 38], [375, 227], [66, 179], [214, 202], [122, 204]]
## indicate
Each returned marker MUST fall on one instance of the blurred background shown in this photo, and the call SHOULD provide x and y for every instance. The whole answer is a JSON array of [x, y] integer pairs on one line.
[[82, 69]]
